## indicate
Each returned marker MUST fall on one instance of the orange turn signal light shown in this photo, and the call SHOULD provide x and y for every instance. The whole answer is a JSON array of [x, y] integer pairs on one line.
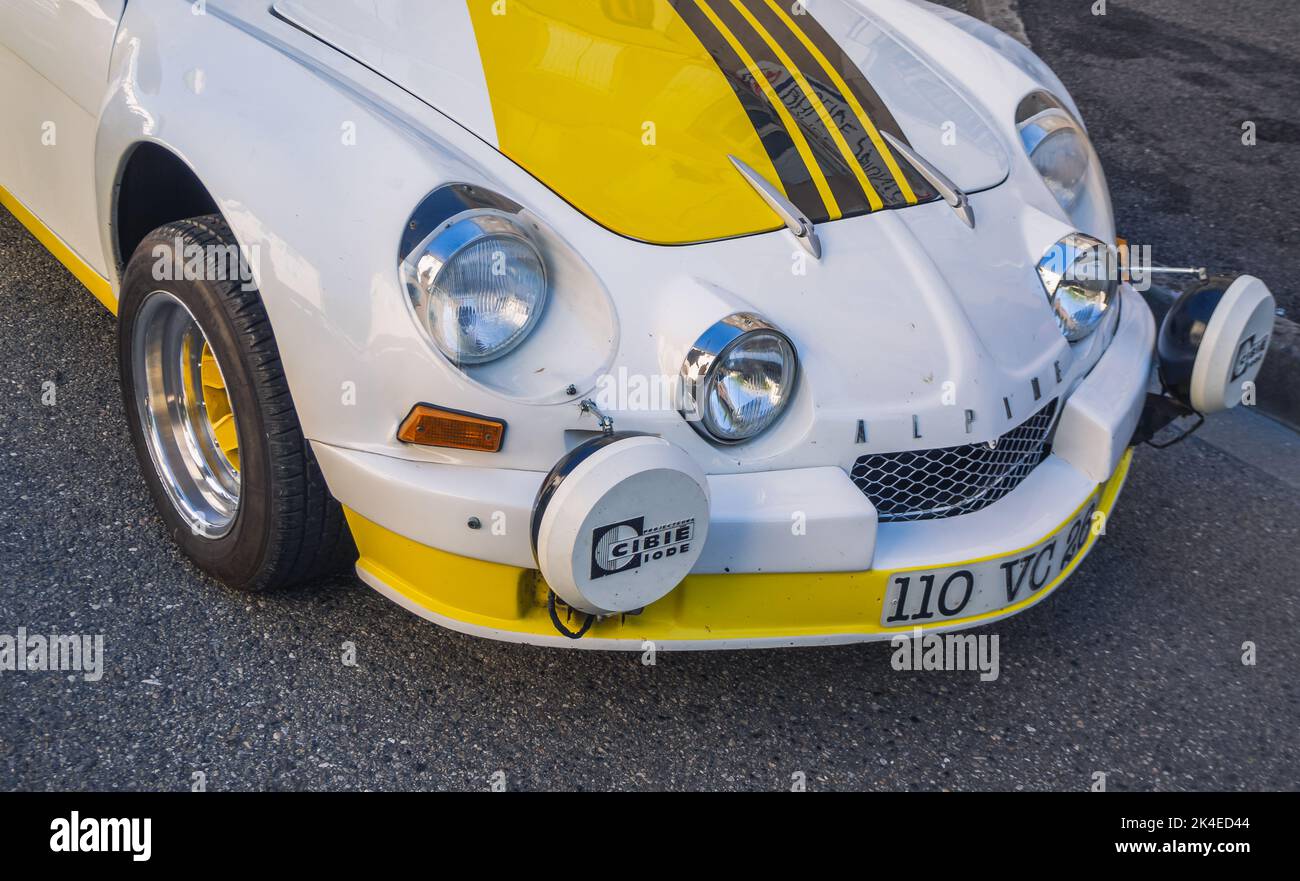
[[431, 426]]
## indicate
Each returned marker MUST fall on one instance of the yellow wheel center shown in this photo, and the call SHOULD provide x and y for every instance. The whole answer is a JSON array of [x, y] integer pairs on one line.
[[216, 399]]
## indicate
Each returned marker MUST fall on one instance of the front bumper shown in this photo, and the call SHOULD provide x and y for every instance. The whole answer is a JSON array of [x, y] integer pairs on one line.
[[705, 612], [759, 583]]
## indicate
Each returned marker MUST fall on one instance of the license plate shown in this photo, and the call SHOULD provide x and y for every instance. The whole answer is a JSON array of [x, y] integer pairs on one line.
[[922, 598]]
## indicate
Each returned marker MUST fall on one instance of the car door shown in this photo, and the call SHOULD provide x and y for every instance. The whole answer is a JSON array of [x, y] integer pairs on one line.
[[54, 59]]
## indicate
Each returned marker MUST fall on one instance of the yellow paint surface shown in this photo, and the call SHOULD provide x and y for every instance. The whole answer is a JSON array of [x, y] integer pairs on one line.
[[617, 107], [94, 282], [703, 607]]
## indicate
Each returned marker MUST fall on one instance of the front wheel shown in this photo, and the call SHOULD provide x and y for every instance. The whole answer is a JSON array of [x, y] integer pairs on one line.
[[212, 420]]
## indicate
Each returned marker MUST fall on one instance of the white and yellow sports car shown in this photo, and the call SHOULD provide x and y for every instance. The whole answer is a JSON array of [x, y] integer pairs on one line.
[[709, 323]]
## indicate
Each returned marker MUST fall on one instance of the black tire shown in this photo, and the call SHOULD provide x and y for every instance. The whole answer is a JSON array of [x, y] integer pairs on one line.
[[287, 529]]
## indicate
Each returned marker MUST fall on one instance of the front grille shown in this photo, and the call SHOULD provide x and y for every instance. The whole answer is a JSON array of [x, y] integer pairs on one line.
[[934, 484]]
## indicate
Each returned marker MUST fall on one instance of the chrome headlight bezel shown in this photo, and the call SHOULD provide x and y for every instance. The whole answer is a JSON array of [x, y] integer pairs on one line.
[[704, 366], [1044, 122], [430, 261], [1080, 275]]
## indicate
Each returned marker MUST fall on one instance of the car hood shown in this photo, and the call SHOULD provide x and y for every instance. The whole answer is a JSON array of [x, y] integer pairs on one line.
[[630, 109]]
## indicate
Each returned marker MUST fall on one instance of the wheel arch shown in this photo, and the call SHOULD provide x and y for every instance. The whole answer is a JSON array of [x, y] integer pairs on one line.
[[257, 114], [154, 186]]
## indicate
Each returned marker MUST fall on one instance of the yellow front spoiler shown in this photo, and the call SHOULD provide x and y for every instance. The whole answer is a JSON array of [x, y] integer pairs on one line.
[[504, 602]]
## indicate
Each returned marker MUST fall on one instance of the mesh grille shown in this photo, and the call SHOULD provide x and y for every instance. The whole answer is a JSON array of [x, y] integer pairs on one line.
[[933, 484]]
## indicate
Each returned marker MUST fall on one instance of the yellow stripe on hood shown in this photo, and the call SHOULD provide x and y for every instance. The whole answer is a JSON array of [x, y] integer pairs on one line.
[[618, 107]]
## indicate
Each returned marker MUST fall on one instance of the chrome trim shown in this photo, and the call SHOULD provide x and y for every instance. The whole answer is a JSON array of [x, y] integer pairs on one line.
[[463, 232], [166, 350], [606, 423], [1041, 126], [422, 266], [1200, 273], [1040, 117], [1056, 272], [803, 229], [446, 204], [952, 194], [708, 352]]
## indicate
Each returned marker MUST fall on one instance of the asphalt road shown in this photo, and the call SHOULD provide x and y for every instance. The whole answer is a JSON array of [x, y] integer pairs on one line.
[[1134, 669], [1166, 86]]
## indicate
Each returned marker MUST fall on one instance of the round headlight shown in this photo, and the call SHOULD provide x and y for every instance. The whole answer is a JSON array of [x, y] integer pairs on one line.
[[1060, 151], [738, 378], [1062, 157], [478, 287], [1081, 277]]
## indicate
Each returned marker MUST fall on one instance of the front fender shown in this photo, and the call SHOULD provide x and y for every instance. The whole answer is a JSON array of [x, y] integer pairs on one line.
[[317, 165]]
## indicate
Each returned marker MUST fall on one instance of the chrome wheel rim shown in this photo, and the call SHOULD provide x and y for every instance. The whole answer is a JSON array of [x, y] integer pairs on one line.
[[185, 415]]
